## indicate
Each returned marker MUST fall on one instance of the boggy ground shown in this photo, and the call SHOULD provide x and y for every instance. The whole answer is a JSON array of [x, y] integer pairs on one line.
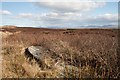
[[82, 53]]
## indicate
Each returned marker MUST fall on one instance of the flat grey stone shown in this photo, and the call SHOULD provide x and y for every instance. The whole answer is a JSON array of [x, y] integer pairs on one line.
[[36, 51]]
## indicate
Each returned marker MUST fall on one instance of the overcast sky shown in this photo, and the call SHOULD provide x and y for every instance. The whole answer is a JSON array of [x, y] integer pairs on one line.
[[59, 14]]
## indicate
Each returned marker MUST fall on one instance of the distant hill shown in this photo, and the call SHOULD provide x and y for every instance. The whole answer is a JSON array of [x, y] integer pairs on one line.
[[8, 26]]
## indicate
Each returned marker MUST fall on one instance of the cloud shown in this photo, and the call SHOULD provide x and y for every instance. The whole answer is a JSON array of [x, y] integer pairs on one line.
[[74, 19], [60, 16], [103, 18], [24, 15], [56, 19], [72, 6], [5, 12], [110, 17], [71, 13]]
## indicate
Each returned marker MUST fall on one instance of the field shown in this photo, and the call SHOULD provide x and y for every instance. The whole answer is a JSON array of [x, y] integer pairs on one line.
[[82, 53]]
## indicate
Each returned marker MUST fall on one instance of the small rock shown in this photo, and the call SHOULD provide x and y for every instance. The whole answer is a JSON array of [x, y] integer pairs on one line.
[[36, 51]]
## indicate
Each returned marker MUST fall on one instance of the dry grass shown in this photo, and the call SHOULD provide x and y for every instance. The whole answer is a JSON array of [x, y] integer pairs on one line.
[[72, 53]]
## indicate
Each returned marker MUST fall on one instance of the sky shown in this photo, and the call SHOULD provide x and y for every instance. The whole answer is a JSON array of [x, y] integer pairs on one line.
[[51, 14]]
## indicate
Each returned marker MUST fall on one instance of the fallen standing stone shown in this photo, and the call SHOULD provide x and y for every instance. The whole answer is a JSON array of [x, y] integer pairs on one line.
[[36, 51]]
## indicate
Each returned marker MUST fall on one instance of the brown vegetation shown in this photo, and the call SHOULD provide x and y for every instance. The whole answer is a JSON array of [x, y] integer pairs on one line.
[[83, 53]]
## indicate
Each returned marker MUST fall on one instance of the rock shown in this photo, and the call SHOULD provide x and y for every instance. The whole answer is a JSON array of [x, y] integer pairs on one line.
[[36, 51], [44, 57], [40, 55]]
